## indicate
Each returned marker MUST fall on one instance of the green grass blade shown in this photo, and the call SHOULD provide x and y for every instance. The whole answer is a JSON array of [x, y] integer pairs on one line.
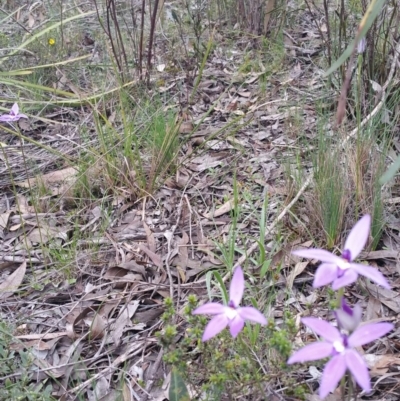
[[391, 172], [222, 286], [22, 84], [14, 73], [26, 71], [177, 388]]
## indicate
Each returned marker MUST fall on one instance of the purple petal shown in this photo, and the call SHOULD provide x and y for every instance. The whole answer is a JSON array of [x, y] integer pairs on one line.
[[312, 352], [348, 319], [358, 368], [215, 326], [368, 333], [316, 253], [237, 287], [236, 325], [7, 118], [371, 273], [333, 372], [14, 110], [345, 307], [252, 314], [358, 237], [325, 274], [349, 276], [322, 328], [211, 308]]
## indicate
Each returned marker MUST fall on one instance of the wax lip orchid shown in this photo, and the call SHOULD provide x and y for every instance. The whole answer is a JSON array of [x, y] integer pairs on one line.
[[13, 115], [341, 271], [339, 347], [229, 315]]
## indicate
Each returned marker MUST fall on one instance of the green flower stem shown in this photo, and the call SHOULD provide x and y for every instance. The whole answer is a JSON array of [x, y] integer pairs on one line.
[[339, 297]]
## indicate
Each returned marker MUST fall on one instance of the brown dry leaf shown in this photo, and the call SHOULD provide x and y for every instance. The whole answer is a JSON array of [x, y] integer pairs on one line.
[[31, 20], [207, 161], [45, 233], [225, 208], [101, 388], [12, 282], [149, 315], [388, 297], [115, 272], [126, 393], [150, 238], [379, 364], [186, 127], [37, 344], [51, 371], [129, 278], [253, 77], [182, 261], [205, 245], [123, 320], [23, 204], [153, 256], [298, 269], [77, 320], [267, 14], [134, 266], [382, 254], [246, 94], [373, 308], [59, 176], [232, 106], [4, 219], [98, 326]]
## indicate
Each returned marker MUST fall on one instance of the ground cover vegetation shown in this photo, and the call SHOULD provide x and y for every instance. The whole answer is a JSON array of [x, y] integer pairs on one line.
[[191, 207]]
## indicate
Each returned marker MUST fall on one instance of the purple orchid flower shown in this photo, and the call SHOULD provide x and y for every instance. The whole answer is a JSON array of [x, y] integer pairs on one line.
[[340, 348], [341, 271], [348, 319], [14, 114], [229, 315]]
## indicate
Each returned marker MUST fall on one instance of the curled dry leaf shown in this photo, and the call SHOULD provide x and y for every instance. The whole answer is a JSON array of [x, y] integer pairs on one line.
[[12, 282], [153, 256], [151, 241], [298, 269], [123, 320], [225, 208], [380, 364], [59, 176]]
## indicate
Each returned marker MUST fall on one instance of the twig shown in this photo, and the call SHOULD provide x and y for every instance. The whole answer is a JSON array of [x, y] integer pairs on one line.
[[169, 234], [151, 379], [190, 225]]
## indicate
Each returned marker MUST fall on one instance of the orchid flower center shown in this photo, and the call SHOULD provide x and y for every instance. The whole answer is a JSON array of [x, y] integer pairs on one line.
[[230, 311], [346, 254], [339, 346], [232, 305], [344, 264]]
